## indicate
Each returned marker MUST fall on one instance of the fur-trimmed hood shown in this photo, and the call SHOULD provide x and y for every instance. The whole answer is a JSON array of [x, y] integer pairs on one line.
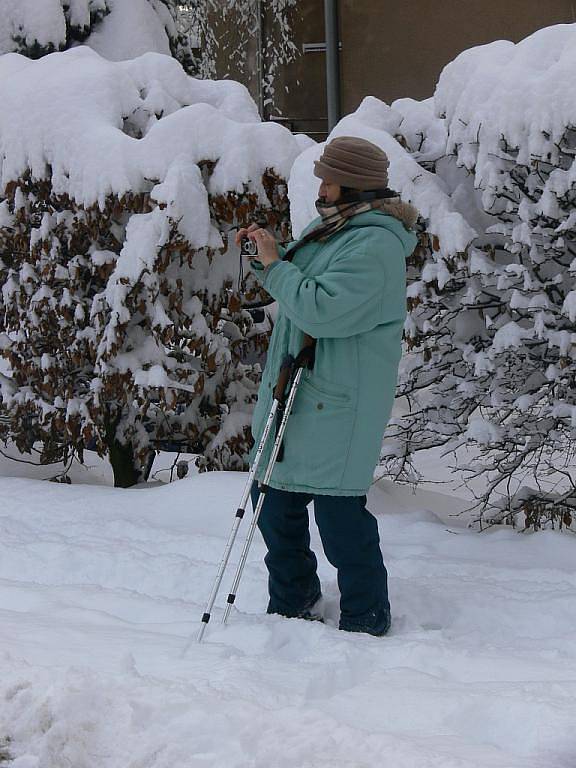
[[404, 212]]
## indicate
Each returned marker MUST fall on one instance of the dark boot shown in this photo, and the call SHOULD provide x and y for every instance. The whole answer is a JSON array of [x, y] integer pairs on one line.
[[309, 613], [375, 623]]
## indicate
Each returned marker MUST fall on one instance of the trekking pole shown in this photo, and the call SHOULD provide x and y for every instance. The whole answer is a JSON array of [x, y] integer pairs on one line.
[[304, 359], [279, 394]]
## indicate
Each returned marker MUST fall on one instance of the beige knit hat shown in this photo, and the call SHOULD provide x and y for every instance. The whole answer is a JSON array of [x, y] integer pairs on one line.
[[353, 162]]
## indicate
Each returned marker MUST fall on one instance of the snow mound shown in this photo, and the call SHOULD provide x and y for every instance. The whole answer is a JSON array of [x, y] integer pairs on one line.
[[132, 28], [516, 91], [97, 127], [116, 29], [101, 590], [42, 22]]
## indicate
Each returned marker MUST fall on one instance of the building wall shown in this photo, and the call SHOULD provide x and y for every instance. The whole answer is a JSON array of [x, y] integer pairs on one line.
[[227, 31], [389, 49], [397, 49], [305, 78], [300, 91]]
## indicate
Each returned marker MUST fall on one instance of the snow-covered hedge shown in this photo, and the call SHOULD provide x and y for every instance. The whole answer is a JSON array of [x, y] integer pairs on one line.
[[120, 184], [503, 318], [117, 29], [489, 162]]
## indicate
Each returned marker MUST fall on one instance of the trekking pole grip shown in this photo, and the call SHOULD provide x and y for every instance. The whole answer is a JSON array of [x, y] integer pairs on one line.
[[284, 377], [307, 355]]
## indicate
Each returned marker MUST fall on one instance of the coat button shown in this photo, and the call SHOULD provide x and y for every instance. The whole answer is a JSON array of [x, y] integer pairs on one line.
[[320, 406]]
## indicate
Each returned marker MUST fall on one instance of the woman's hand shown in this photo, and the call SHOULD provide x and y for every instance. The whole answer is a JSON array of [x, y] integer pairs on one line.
[[267, 248], [245, 232]]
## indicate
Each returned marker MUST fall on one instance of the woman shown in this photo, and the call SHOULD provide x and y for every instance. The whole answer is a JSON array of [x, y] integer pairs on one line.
[[344, 284]]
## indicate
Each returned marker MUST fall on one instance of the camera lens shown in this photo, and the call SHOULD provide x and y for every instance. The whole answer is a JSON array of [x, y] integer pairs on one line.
[[248, 247]]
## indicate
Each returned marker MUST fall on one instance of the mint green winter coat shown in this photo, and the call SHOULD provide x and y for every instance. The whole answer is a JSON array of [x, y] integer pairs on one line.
[[349, 293]]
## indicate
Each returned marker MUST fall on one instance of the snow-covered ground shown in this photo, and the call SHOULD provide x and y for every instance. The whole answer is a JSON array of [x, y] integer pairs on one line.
[[101, 589]]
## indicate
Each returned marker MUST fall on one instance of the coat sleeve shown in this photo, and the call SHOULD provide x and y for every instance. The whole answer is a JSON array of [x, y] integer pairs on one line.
[[259, 268], [344, 300]]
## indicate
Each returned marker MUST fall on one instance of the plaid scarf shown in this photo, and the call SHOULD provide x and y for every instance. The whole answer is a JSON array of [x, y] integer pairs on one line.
[[335, 216]]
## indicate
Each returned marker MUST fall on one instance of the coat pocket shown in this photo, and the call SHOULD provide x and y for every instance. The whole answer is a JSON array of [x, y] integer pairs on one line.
[[318, 435], [326, 388]]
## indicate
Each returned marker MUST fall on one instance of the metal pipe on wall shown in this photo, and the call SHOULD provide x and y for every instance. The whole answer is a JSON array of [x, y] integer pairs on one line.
[[332, 61]]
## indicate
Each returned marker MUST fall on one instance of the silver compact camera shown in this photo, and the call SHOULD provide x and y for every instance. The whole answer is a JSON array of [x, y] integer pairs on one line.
[[248, 247]]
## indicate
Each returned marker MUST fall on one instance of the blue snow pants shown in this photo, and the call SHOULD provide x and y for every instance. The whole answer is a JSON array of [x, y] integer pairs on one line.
[[350, 539]]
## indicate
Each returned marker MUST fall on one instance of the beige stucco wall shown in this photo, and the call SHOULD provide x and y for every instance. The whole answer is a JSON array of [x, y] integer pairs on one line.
[[396, 49]]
